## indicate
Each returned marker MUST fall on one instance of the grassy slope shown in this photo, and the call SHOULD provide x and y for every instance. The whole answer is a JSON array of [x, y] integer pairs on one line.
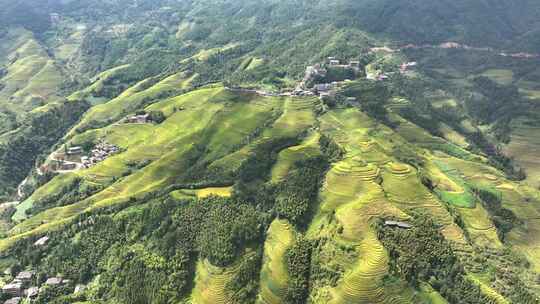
[[368, 182], [298, 115], [210, 282], [274, 276], [165, 145], [202, 193], [524, 144], [129, 101], [32, 76]]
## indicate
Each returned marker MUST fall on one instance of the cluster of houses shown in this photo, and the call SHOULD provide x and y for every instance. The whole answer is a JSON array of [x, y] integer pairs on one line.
[[22, 287], [73, 159], [353, 64], [403, 69], [312, 71], [320, 71], [140, 119], [100, 152], [63, 161]]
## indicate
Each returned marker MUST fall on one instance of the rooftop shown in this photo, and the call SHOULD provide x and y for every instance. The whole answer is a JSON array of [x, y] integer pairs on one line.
[[25, 275], [398, 224], [16, 300], [79, 288], [16, 284], [32, 292], [42, 241], [53, 281]]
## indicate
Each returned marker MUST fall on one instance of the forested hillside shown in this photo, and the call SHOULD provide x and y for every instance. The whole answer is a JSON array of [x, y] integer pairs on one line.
[[500, 24], [205, 151]]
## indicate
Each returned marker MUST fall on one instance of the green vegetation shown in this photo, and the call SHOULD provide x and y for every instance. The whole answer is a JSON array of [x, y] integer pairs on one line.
[[297, 194], [238, 188], [274, 273], [463, 196], [373, 97], [438, 266], [298, 266], [40, 130]]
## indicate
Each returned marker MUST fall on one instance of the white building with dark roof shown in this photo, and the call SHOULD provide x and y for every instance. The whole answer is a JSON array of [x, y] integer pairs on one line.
[[74, 150], [42, 241], [398, 224]]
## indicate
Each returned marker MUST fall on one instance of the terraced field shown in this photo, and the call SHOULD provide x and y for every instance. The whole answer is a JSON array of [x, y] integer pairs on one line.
[[363, 283], [524, 144], [403, 187], [202, 193], [501, 76], [211, 282], [98, 83], [138, 212], [130, 100], [32, 78], [481, 229], [286, 159], [431, 296], [529, 89], [345, 183], [220, 119], [421, 138], [297, 116], [166, 145], [461, 196], [274, 274], [373, 180], [454, 137], [352, 185], [351, 197], [521, 199], [490, 292], [524, 202]]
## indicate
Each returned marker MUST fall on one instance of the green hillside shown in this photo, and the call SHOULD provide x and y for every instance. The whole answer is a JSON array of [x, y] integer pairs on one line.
[[210, 151]]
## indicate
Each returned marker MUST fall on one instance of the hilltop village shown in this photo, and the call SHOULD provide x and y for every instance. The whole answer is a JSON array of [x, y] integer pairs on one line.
[[325, 79], [316, 79]]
